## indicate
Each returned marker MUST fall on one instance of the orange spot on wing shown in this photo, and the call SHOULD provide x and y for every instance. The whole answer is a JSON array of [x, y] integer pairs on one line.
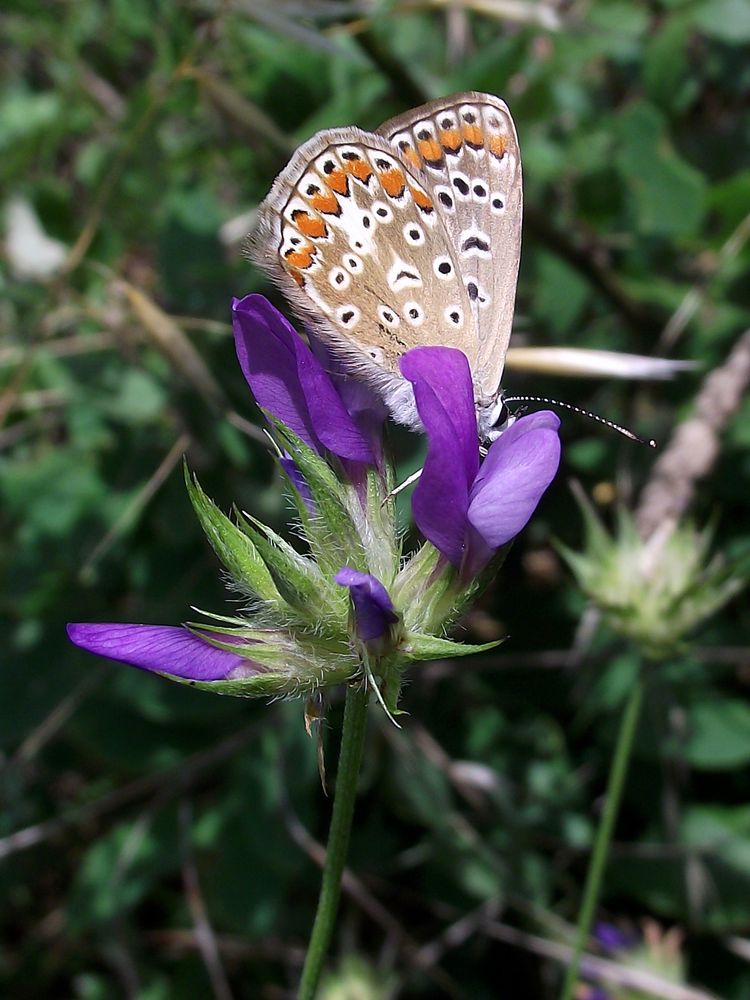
[[296, 276], [450, 140], [498, 144], [301, 258], [421, 200], [359, 169], [473, 136], [326, 202], [411, 156], [338, 181], [309, 225], [430, 149], [393, 182]]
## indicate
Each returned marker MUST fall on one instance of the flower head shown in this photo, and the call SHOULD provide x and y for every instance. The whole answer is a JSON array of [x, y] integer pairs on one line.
[[654, 591], [322, 616], [468, 512]]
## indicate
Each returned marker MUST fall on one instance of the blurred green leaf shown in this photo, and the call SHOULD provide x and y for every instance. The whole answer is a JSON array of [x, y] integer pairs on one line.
[[668, 194], [719, 734], [726, 20]]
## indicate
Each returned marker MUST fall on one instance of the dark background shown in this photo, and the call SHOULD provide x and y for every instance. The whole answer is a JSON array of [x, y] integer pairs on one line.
[[140, 133]]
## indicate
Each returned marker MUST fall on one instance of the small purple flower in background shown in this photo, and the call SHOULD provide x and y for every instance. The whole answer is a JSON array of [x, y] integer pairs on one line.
[[468, 512], [373, 608], [611, 938], [290, 382]]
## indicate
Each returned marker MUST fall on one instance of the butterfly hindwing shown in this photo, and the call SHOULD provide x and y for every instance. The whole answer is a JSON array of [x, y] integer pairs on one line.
[[464, 150]]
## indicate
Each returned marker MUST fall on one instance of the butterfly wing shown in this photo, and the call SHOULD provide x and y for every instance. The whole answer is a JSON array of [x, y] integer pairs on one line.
[[464, 151], [356, 242]]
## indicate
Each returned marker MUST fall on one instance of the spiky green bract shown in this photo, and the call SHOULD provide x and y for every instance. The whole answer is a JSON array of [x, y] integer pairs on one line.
[[377, 523], [655, 592], [312, 596], [233, 547], [416, 646], [329, 528]]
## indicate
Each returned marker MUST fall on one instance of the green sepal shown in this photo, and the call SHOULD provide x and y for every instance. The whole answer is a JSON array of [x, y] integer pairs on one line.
[[293, 665], [330, 530], [417, 646], [382, 540], [234, 548], [261, 686], [297, 578], [425, 590], [278, 647]]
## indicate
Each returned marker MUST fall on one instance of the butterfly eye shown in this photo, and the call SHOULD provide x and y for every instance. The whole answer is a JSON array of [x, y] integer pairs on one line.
[[500, 417]]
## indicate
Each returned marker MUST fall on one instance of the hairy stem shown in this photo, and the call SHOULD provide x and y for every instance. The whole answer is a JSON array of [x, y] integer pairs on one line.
[[350, 758]]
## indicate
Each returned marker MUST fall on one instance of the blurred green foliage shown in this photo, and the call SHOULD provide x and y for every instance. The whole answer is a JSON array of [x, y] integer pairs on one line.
[[140, 134]]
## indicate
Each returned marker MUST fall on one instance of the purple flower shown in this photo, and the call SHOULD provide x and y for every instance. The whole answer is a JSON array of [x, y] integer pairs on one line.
[[468, 512], [612, 939], [373, 609], [290, 382], [166, 649]]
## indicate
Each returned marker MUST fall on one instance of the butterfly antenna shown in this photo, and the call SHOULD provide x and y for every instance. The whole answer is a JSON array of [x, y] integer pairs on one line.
[[584, 413]]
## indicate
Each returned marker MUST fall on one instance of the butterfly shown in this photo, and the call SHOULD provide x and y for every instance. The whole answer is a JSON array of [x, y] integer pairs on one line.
[[408, 236]]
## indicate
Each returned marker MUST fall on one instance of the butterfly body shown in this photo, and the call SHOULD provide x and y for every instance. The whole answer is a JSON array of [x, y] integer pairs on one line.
[[402, 238]]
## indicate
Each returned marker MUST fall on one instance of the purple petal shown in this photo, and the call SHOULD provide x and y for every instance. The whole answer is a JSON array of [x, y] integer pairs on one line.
[[164, 648], [373, 607], [288, 380], [518, 469], [364, 405], [444, 394]]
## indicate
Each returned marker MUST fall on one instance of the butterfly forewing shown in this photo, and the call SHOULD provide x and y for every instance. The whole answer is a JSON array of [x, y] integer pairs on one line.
[[355, 239], [464, 151]]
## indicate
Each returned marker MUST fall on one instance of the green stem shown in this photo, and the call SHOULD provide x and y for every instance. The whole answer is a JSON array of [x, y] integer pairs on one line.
[[615, 786], [350, 758]]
